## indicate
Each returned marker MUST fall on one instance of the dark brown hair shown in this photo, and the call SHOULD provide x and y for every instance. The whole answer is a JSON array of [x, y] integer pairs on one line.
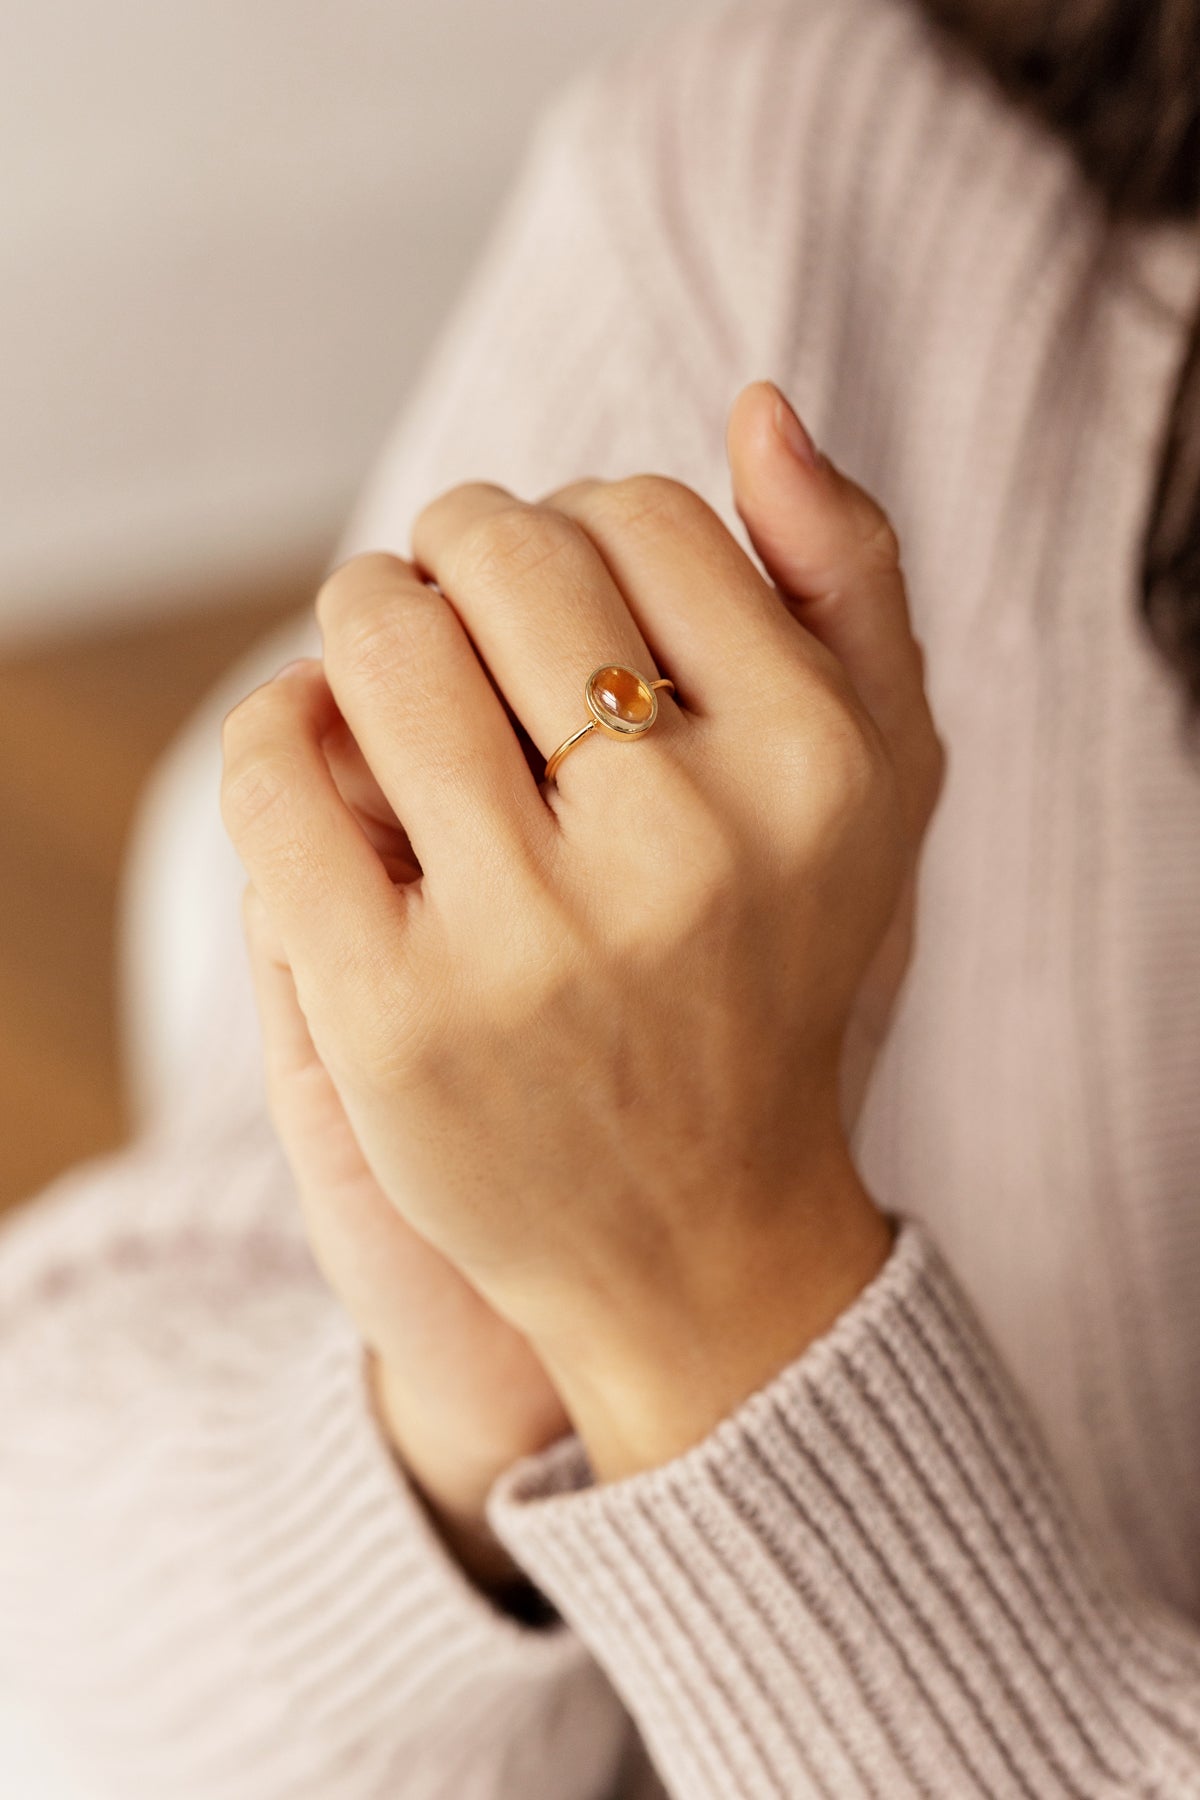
[[1120, 81]]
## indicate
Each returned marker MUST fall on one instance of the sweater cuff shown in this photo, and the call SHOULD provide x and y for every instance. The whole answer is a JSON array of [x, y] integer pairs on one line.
[[348, 1597], [863, 1581]]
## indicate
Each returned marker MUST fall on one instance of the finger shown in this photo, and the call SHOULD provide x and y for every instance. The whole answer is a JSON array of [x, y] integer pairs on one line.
[[288, 1050], [339, 917], [364, 798], [832, 551], [306, 1109], [355, 782], [537, 598], [711, 620], [427, 720]]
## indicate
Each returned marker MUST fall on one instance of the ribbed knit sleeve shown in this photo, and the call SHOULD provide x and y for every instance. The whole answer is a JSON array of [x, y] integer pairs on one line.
[[214, 1581], [866, 1582]]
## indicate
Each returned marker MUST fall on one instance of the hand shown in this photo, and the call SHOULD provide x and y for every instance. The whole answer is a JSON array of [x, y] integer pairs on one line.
[[762, 846], [459, 1392]]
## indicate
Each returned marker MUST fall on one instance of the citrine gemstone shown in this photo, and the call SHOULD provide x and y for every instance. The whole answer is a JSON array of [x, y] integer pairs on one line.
[[623, 695]]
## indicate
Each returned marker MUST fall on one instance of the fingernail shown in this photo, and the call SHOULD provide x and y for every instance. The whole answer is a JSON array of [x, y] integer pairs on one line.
[[794, 435], [297, 662]]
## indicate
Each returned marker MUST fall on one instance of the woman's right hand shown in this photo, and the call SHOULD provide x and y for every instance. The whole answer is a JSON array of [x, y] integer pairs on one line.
[[459, 1391]]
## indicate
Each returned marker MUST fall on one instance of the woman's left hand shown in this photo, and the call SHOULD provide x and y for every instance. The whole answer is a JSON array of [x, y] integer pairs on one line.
[[593, 1053]]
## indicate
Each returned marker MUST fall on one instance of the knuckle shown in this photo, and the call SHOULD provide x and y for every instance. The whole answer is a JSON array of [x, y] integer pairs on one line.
[[879, 542], [264, 763], [429, 524], [833, 761], [537, 959], [856, 769], [698, 868], [382, 632], [372, 572], [652, 504], [256, 788], [512, 542], [579, 492]]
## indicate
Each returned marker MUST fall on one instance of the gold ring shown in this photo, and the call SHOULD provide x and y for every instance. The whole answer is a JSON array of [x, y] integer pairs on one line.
[[622, 703]]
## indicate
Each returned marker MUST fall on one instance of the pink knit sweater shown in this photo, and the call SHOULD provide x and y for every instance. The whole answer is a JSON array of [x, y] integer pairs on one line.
[[954, 1550]]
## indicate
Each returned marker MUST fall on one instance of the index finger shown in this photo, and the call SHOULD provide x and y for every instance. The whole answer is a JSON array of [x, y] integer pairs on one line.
[[336, 910]]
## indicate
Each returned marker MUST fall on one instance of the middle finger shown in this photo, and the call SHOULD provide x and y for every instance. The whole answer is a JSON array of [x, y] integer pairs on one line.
[[537, 598]]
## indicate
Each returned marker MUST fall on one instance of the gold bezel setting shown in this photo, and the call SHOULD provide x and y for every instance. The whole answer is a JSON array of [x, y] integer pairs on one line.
[[607, 720], [610, 722]]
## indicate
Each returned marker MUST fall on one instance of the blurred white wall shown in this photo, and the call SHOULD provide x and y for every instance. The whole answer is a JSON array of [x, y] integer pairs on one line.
[[227, 230]]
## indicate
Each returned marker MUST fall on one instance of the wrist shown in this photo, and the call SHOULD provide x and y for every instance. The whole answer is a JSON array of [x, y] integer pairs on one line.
[[645, 1386], [451, 1483]]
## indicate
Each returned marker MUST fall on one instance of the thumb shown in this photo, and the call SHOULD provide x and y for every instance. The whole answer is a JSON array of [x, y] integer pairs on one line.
[[832, 553]]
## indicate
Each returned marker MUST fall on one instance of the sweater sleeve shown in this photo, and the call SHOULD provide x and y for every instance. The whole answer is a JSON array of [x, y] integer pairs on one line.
[[867, 1582], [214, 1581]]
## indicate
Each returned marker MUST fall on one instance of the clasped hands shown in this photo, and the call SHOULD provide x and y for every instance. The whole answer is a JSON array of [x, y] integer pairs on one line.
[[566, 1072]]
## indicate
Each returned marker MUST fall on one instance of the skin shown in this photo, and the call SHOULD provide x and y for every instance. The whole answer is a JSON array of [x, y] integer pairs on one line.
[[566, 1074]]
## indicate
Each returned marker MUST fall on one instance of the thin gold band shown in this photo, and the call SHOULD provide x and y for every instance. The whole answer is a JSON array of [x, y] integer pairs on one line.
[[596, 723]]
